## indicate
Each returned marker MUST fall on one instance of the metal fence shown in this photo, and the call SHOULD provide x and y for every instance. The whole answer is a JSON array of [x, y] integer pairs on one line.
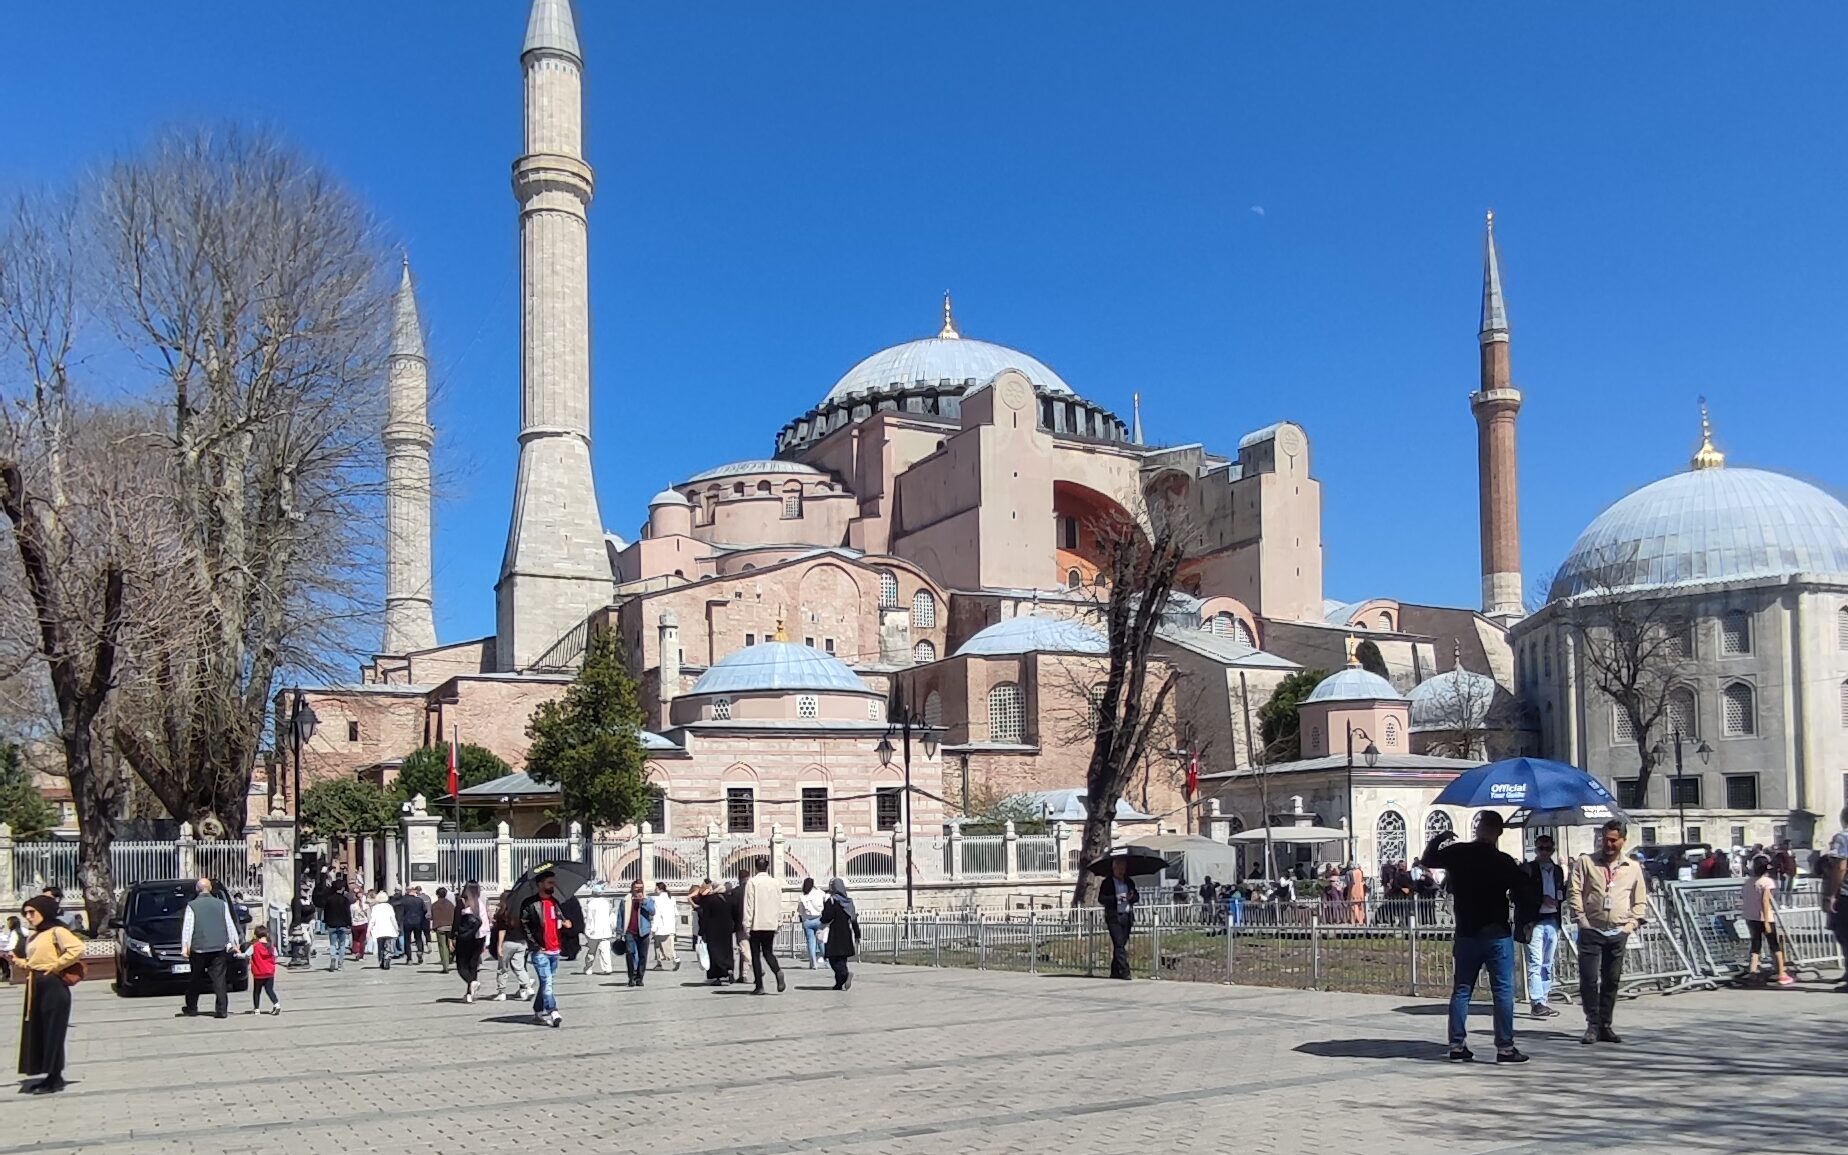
[[616, 860], [984, 856], [680, 861], [37, 865], [869, 861], [808, 858], [1037, 856], [1712, 921], [466, 857], [530, 852]]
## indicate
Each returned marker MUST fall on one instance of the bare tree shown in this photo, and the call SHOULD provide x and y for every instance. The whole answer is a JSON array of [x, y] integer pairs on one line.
[[1456, 713], [250, 283], [1142, 555], [1633, 648]]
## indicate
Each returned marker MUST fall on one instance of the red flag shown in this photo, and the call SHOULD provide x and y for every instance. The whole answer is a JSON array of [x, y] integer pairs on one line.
[[455, 785], [1193, 777]]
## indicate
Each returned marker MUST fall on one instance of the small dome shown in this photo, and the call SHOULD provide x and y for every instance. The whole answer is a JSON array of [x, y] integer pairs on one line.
[[934, 359], [779, 666], [742, 468], [1354, 685], [1441, 701], [1030, 633], [1708, 525], [668, 497]]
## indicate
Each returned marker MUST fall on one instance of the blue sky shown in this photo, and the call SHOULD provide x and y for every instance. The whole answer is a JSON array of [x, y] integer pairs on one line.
[[1245, 212]]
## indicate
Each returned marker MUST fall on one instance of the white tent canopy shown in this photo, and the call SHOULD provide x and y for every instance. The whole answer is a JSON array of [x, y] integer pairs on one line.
[[1300, 835]]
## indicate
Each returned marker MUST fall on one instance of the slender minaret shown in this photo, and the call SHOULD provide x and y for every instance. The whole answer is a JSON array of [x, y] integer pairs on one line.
[[409, 622], [556, 572], [1136, 431], [1495, 405]]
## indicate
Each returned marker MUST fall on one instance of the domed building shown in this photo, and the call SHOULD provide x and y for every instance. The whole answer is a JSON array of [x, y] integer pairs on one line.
[[1709, 611]]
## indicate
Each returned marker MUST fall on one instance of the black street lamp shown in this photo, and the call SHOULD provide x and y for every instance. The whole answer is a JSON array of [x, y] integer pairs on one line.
[[302, 723], [900, 715], [1681, 799], [1372, 754]]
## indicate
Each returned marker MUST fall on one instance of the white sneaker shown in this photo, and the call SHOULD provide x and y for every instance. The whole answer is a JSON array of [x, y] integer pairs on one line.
[[526, 994], [540, 1018], [500, 997], [557, 1019]]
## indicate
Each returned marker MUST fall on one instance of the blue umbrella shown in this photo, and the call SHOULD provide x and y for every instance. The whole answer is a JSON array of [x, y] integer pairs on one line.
[[1532, 784]]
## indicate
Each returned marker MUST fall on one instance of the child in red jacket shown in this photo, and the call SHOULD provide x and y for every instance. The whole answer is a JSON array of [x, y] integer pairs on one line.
[[262, 972]]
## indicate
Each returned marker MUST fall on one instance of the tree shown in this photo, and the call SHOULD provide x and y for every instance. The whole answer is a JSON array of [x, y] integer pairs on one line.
[[1367, 653], [253, 284], [589, 743], [990, 813], [348, 806], [1142, 555], [425, 771], [1633, 646], [1456, 713], [22, 807], [1279, 725]]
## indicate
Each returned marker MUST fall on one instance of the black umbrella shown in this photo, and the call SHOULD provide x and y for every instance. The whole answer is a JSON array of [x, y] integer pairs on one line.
[[571, 877], [1141, 861]]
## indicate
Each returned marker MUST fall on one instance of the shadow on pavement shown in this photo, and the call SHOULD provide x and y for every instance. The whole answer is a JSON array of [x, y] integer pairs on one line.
[[1375, 1049]]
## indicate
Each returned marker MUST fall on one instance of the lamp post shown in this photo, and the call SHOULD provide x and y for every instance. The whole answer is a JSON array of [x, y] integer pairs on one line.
[[302, 723], [1372, 754], [1681, 802], [899, 715]]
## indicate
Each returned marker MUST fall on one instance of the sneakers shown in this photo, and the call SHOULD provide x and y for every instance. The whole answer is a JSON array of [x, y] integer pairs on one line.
[[556, 1020], [275, 1010], [1542, 1011], [676, 964], [1462, 1055], [526, 994], [781, 983], [1786, 981], [468, 996], [1511, 1055], [542, 1018], [500, 997]]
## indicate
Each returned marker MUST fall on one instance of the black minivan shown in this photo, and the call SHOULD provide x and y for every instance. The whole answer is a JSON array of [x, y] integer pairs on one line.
[[147, 926]]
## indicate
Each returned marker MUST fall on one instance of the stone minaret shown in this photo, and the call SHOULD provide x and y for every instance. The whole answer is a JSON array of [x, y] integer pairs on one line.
[[556, 571], [1495, 405], [409, 623]]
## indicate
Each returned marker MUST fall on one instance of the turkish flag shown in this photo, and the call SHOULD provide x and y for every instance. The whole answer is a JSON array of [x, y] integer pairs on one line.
[[455, 784], [1193, 777]]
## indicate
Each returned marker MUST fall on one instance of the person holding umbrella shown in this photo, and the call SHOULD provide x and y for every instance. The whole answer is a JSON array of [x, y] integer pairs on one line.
[[1485, 882], [1118, 896]]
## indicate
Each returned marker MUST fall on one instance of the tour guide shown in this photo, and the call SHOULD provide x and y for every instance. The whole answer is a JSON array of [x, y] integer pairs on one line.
[[1484, 882]]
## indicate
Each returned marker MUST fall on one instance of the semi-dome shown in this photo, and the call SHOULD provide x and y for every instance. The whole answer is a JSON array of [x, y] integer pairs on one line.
[[1444, 701], [1031, 632], [1708, 525], [771, 666], [1354, 685], [743, 468]]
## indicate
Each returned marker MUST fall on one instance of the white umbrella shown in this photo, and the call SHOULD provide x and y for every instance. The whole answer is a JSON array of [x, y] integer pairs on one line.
[[1301, 835]]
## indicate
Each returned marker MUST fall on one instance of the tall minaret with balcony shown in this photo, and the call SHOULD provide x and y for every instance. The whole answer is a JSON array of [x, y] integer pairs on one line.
[[556, 571], [410, 623], [1496, 405]]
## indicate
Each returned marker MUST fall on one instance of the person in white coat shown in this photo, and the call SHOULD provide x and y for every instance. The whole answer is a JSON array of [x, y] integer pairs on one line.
[[666, 922], [599, 929], [382, 928], [763, 913]]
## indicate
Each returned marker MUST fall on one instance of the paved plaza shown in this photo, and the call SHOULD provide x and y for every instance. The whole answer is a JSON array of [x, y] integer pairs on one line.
[[922, 1060]]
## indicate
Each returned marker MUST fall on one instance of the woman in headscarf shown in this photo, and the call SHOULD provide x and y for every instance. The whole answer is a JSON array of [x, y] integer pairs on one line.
[[716, 930], [52, 950], [843, 926], [469, 930]]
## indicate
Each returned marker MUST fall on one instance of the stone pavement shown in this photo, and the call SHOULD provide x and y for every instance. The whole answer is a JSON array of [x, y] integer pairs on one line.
[[921, 1060]]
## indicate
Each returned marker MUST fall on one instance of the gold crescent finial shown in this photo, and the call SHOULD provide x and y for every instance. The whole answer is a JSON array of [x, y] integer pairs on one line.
[[1707, 456], [949, 319], [1353, 650]]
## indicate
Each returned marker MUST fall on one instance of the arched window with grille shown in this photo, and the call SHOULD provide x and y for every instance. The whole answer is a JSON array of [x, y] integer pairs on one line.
[[1437, 822], [1095, 702], [1392, 732], [1073, 579], [1682, 715], [1005, 713], [1735, 634], [1385, 620], [1841, 628], [1242, 632], [1845, 705], [808, 706], [888, 590], [924, 651], [1389, 838], [933, 709], [1222, 624], [923, 610], [721, 709], [1739, 710]]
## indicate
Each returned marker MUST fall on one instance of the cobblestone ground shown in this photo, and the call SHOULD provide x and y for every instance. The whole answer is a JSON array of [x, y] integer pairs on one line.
[[921, 1060]]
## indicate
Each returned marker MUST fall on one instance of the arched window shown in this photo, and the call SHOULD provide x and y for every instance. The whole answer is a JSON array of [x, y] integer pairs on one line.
[[721, 709], [1437, 822], [1392, 731], [1841, 628], [888, 590], [738, 487], [792, 505], [1546, 661], [1389, 838], [1385, 620], [1735, 634], [1005, 713], [1739, 710], [924, 651], [923, 610], [763, 487], [1073, 579], [1222, 624], [875, 710], [1242, 632], [1845, 705], [1315, 739], [1100, 581], [933, 709], [1682, 715], [808, 706]]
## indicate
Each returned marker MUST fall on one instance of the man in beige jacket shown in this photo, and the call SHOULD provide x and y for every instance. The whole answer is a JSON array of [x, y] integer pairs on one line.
[[1608, 898], [763, 913]]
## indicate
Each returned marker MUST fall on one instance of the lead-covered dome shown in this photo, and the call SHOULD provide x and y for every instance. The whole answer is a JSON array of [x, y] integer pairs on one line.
[[934, 359], [1030, 633], [770, 666], [1456, 699], [1354, 685], [1708, 525]]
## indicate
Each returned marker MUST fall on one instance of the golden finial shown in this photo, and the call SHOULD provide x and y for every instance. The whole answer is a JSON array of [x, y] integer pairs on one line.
[[1707, 457], [949, 320], [1491, 220], [782, 635], [1353, 650]]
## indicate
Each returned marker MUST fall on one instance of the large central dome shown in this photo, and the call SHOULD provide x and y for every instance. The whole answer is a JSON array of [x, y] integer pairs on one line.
[[949, 356]]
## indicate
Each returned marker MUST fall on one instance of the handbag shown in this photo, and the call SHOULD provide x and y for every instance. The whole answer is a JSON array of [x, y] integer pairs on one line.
[[705, 957], [73, 974]]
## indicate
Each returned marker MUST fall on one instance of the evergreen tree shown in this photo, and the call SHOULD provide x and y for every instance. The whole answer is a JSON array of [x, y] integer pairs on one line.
[[1367, 653], [589, 743], [426, 771], [1278, 723], [22, 807], [349, 806]]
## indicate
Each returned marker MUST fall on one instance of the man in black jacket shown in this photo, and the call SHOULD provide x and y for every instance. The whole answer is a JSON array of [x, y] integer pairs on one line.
[[1485, 883], [1539, 922], [1117, 895], [337, 915]]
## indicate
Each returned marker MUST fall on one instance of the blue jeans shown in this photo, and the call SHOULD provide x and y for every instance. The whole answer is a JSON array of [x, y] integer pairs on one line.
[[339, 941], [1542, 950], [635, 953], [809, 928], [1235, 909], [1470, 953], [545, 965]]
